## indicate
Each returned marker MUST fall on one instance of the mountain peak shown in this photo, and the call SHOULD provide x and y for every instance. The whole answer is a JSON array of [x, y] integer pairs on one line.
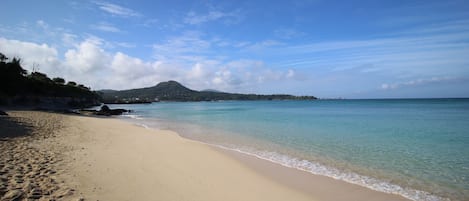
[[174, 91], [168, 83], [171, 86]]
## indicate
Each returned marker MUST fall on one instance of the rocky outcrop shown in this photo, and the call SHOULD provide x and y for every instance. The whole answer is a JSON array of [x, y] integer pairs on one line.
[[48, 103], [105, 111]]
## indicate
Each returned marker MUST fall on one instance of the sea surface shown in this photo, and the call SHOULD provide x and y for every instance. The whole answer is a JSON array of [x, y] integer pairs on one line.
[[418, 148]]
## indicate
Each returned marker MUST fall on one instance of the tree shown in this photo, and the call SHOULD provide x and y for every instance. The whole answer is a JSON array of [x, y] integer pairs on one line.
[[14, 67], [59, 80], [71, 83], [3, 58], [40, 76], [12, 75], [83, 87]]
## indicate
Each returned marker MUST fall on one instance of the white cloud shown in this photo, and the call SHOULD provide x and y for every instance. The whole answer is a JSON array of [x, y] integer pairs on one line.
[[106, 27], [190, 43], [150, 22], [288, 33], [41, 56], [196, 19], [416, 82], [193, 18], [117, 10], [89, 63], [262, 45], [125, 44], [290, 73], [199, 72], [445, 46], [202, 68], [69, 39], [87, 57], [42, 24], [125, 65]]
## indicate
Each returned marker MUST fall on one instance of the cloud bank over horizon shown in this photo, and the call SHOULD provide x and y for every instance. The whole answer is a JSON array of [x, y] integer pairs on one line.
[[238, 48]]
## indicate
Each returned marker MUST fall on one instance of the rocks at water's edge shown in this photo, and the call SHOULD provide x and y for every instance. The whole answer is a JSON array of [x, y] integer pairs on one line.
[[3, 113], [106, 111]]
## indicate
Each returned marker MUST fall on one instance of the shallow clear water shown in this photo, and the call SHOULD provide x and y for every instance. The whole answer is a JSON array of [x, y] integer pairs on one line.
[[418, 148]]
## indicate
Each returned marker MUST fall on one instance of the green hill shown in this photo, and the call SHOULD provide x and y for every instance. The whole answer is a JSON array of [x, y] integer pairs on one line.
[[174, 91]]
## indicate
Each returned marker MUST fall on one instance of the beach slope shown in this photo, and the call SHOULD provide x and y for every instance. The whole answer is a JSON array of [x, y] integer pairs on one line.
[[115, 160], [94, 158]]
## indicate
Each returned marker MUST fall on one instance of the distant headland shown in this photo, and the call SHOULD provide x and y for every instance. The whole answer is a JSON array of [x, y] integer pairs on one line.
[[174, 91], [36, 89]]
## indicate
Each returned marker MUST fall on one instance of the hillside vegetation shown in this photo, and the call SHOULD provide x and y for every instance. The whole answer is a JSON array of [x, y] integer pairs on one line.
[[174, 91], [18, 87]]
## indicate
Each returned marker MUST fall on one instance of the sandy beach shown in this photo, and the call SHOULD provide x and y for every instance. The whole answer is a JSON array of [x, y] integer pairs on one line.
[[67, 157]]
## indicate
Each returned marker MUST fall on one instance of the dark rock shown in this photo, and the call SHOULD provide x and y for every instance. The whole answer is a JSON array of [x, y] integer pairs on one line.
[[105, 108], [106, 111], [3, 113], [118, 111]]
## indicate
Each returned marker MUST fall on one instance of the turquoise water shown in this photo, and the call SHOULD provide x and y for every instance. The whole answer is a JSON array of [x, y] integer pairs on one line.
[[418, 148]]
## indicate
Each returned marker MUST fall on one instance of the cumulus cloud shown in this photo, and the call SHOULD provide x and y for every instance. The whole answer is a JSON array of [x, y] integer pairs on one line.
[[41, 56], [88, 62], [234, 75], [88, 56]]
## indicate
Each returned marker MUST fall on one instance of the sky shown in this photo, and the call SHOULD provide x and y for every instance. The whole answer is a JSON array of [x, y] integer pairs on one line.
[[328, 49]]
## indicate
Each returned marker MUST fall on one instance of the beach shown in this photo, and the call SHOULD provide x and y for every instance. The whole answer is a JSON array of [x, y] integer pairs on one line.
[[90, 158]]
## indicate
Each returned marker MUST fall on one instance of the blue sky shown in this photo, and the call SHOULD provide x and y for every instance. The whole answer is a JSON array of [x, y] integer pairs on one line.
[[351, 49]]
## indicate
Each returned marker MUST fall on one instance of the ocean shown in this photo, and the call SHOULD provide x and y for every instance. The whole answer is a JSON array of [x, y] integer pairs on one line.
[[418, 148]]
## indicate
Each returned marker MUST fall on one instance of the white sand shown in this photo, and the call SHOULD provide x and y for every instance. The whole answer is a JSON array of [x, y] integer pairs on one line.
[[119, 161], [109, 159]]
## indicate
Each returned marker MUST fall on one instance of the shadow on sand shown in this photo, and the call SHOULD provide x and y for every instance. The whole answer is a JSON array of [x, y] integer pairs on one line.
[[12, 127]]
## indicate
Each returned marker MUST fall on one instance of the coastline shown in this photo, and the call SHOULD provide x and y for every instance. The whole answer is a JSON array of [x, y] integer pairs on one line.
[[318, 186], [110, 159]]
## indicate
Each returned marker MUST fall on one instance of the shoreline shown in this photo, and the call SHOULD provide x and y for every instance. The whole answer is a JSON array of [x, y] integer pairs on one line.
[[320, 186], [296, 179], [311, 170], [111, 159], [121, 161]]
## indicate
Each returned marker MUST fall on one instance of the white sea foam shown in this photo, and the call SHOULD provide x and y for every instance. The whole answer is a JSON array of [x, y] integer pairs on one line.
[[132, 116], [320, 169], [350, 177], [143, 125]]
